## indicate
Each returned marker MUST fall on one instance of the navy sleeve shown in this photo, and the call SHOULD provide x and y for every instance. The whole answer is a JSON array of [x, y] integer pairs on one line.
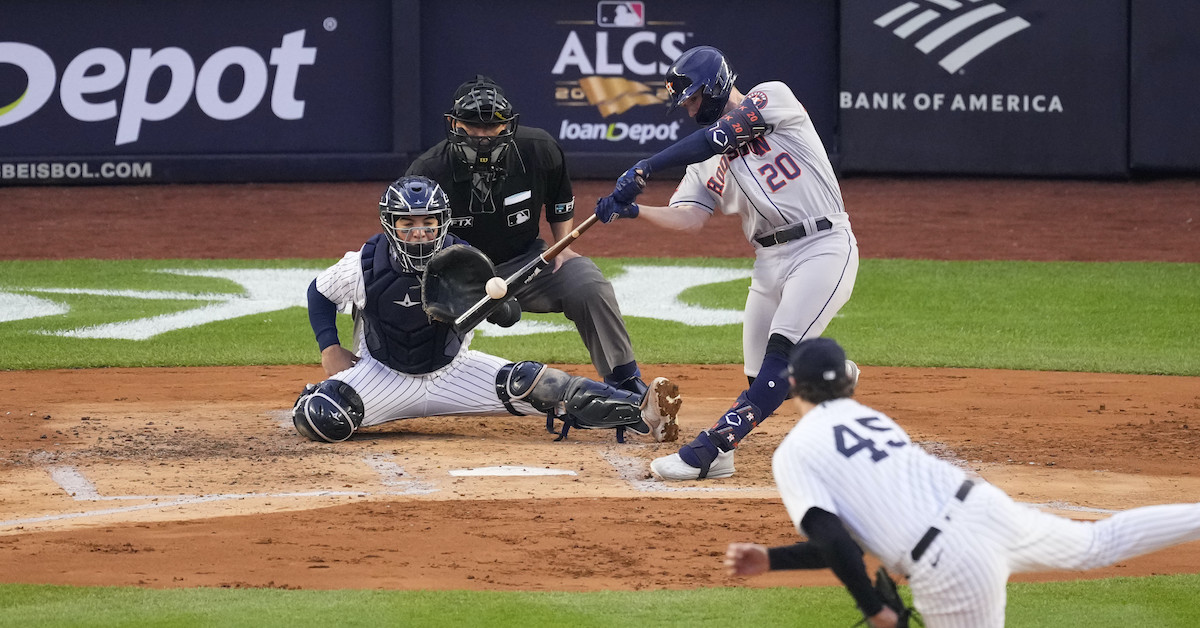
[[322, 315], [827, 534], [689, 150]]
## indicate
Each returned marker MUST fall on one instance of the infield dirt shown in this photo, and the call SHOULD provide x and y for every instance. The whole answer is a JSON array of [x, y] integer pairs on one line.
[[193, 477]]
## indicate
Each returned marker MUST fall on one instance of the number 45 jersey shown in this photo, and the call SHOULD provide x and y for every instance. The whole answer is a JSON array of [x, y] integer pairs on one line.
[[858, 464], [776, 180]]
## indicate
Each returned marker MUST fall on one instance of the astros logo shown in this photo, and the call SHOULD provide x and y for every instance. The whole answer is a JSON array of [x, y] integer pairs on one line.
[[40, 74], [957, 20], [758, 98]]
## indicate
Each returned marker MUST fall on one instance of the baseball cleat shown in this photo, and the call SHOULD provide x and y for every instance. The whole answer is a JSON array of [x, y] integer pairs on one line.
[[673, 467], [660, 405], [852, 371]]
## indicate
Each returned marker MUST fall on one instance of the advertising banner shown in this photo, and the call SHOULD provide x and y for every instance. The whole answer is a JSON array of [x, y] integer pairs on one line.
[[1164, 88], [590, 73], [97, 92], [1009, 87]]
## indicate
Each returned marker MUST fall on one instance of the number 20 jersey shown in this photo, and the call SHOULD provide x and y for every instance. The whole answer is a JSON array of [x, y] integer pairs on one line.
[[775, 180]]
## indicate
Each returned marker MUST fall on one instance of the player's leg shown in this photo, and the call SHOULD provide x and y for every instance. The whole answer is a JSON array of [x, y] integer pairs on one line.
[[368, 393], [1043, 541], [960, 578], [813, 280], [580, 291], [468, 386]]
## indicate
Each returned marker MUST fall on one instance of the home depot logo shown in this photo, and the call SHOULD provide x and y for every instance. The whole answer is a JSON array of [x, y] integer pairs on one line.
[[940, 29]]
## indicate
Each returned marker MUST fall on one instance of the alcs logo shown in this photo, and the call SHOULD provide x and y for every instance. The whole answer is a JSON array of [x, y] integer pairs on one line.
[[99, 70]]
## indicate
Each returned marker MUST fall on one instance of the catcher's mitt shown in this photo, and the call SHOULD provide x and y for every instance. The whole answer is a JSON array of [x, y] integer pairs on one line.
[[454, 281], [886, 588]]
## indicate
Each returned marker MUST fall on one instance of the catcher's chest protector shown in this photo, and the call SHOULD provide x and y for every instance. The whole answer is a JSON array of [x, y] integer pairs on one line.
[[398, 332]]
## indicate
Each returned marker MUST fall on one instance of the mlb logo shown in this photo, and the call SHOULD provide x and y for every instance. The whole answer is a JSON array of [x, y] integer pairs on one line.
[[621, 14]]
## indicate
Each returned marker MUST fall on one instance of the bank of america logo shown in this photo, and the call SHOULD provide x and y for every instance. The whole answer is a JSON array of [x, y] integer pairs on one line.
[[985, 26]]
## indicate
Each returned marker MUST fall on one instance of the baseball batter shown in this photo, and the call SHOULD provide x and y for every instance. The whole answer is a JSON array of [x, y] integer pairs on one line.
[[851, 478], [408, 365], [760, 157]]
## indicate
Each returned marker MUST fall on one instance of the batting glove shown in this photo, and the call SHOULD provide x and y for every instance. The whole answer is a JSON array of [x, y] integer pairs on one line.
[[608, 209], [632, 183]]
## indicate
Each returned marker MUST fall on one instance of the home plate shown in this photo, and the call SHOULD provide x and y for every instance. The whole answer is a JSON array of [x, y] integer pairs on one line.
[[510, 471]]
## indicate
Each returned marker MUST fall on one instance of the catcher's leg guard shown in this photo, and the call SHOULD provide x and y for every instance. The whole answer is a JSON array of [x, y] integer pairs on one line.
[[578, 401]]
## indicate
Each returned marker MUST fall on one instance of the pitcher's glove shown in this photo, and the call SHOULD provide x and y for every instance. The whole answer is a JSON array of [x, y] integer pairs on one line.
[[886, 588], [454, 280]]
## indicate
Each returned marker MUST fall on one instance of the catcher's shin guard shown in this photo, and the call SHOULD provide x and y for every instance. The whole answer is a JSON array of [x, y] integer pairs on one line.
[[577, 401]]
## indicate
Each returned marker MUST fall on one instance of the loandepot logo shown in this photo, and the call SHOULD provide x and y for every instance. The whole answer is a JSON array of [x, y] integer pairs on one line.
[[98, 71], [985, 26], [645, 291]]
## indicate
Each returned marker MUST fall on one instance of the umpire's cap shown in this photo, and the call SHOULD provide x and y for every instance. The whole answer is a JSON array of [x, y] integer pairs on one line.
[[818, 361]]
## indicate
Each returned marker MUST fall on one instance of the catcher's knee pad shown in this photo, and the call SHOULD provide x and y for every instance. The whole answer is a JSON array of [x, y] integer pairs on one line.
[[539, 385], [330, 411]]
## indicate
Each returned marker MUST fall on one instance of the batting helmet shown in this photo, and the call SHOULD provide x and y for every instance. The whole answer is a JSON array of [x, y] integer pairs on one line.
[[480, 104], [410, 197], [703, 70], [329, 412]]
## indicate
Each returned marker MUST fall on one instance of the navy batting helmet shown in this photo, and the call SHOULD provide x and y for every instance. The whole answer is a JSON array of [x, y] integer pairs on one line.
[[702, 70], [412, 197], [328, 412], [480, 104]]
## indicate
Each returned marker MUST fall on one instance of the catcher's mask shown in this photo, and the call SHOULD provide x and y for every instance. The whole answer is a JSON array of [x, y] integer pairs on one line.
[[480, 106], [414, 197], [702, 70]]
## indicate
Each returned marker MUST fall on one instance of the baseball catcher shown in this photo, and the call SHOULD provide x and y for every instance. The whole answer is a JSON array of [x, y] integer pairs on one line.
[[407, 361]]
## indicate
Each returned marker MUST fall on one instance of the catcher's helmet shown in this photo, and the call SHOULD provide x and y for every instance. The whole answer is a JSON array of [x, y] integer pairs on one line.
[[409, 197], [480, 102], [702, 69], [329, 412]]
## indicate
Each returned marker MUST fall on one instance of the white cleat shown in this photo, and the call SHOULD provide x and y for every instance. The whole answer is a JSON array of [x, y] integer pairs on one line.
[[852, 371], [660, 406], [673, 467]]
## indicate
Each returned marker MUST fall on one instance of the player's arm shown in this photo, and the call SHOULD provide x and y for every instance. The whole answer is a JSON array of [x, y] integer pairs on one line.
[[322, 316], [681, 217], [733, 130], [332, 288]]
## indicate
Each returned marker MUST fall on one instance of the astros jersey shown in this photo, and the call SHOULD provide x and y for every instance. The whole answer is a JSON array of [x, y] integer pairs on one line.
[[776, 180], [858, 464]]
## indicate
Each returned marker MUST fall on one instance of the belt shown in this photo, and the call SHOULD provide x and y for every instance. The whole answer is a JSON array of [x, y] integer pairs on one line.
[[792, 233], [932, 533]]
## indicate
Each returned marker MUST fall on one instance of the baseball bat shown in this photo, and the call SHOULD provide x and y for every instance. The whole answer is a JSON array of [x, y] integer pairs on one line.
[[485, 306]]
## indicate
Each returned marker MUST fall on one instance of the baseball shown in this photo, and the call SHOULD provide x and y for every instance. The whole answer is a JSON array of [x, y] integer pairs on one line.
[[496, 288]]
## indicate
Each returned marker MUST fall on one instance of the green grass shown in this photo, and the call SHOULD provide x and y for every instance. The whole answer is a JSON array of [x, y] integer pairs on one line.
[[1162, 602], [1097, 317]]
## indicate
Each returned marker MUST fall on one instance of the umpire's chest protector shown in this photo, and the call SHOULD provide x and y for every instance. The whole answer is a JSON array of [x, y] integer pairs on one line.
[[398, 332]]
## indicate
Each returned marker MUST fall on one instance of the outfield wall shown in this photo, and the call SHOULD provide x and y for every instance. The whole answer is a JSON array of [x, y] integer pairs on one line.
[[220, 90]]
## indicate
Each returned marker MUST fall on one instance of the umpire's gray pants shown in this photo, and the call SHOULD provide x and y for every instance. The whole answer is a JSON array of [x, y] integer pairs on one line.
[[579, 290]]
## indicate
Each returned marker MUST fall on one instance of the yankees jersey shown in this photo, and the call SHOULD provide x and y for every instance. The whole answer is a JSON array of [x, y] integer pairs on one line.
[[504, 227], [395, 329], [858, 464], [776, 180]]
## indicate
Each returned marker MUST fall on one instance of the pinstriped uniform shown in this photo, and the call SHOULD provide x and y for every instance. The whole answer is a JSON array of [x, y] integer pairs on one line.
[[858, 464], [775, 182], [465, 386]]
